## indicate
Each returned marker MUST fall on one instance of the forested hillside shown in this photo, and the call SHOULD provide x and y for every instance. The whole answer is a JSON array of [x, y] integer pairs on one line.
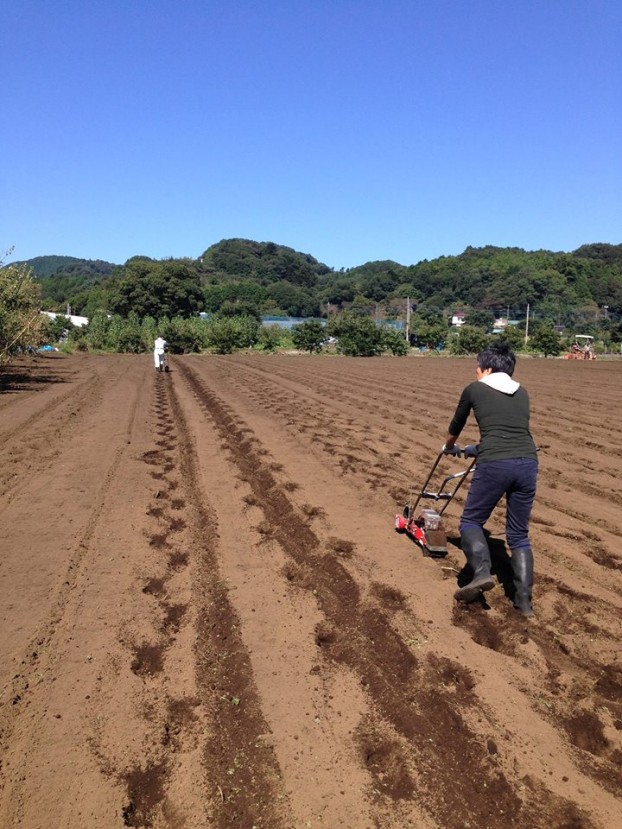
[[67, 279], [583, 287], [44, 266]]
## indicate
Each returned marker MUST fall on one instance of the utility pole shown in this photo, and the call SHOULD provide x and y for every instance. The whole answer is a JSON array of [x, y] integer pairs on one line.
[[408, 320], [527, 325]]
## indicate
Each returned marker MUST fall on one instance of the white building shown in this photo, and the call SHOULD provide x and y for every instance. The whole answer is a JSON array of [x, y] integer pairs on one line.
[[79, 322]]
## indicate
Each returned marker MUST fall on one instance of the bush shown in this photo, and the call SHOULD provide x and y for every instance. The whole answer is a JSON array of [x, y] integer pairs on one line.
[[513, 336], [270, 337], [124, 334], [225, 334], [428, 334], [395, 342], [308, 336], [184, 336], [59, 328], [358, 336], [468, 340], [96, 332], [546, 340], [21, 324]]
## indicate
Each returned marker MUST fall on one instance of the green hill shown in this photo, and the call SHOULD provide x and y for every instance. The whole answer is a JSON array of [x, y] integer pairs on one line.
[[262, 261], [68, 279], [577, 288], [44, 266]]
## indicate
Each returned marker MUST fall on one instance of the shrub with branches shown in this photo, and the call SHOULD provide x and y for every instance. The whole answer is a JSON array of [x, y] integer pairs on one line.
[[22, 326]]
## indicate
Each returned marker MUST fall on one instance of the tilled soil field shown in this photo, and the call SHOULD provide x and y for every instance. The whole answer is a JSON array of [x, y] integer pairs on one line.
[[208, 619]]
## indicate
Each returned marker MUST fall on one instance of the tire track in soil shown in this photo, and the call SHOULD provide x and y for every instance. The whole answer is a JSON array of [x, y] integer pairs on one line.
[[242, 777], [159, 772], [418, 745], [202, 762], [171, 721]]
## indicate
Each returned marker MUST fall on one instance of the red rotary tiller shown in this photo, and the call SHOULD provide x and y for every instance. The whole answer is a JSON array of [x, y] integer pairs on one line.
[[425, 526]]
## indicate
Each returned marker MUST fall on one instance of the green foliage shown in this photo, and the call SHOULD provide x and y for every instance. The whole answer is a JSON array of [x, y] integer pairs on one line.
[[137, 336], [480, 318], [374, 281], [270, 337], [44, 266], [338, 290], [96, 333], [513, 336], [358, 336], [561, 288], [395, 342], [430, 313], [124, 334], [294, 300], [262, 261], [240, 308], [226, 334], [361, 306], [149, 288], [546, 340], [183, 335], [21, 324], [68, 280], [88, 303], [249, 292], [150, 329], [58, 329], [430, 332], [468, 340], [309, 336]]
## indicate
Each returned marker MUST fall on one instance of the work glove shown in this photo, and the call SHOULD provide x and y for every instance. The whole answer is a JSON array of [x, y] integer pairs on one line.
[[471, 450], [451, 450]]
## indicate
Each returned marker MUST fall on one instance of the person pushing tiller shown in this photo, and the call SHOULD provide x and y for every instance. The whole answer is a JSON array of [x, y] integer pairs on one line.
[[507, 464], [159, 354]]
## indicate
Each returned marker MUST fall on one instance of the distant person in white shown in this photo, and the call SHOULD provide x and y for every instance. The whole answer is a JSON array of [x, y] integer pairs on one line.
[[159, 348]]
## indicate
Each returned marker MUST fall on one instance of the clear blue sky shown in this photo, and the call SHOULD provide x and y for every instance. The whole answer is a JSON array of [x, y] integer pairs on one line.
[[353, 130]]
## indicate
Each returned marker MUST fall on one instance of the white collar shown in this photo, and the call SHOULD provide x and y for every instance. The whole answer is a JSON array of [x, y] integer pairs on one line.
[[500, 381]]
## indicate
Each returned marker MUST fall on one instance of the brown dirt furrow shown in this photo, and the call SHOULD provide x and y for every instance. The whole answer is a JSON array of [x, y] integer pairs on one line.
[[21, 381], [36, 442], [51, 376], [31, 703], [242, 775], [325, 427]]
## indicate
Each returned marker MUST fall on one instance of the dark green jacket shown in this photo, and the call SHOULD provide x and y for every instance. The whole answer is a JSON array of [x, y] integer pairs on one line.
[[503, 421]]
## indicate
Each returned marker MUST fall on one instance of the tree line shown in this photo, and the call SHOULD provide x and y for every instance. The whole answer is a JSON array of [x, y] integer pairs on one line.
[[579, 288], [240, 279]]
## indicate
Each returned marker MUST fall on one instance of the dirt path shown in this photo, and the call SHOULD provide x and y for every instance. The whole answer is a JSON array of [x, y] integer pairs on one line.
[[209, 621]]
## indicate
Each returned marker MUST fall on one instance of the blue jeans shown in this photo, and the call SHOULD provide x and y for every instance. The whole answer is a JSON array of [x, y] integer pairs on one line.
[[516, 479]]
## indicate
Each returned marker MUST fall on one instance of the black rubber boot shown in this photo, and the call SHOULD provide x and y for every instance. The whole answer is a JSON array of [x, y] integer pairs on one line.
[[522, 567], [475, 548]]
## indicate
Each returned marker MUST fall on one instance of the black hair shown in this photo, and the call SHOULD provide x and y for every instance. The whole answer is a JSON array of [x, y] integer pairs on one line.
[[497, 357]]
